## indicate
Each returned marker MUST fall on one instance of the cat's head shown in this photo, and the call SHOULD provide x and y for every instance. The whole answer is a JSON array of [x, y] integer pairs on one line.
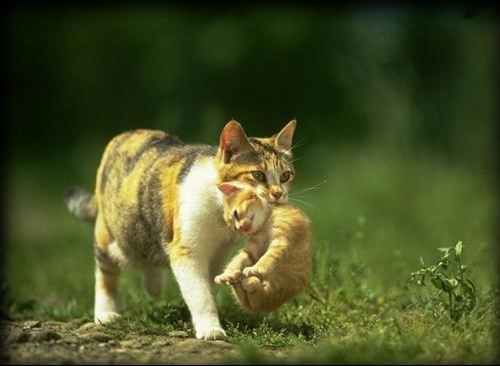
[[263, 163], [244, 210]]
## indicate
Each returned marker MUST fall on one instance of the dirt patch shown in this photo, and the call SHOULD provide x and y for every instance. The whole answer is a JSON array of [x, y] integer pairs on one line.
[[83, 342]]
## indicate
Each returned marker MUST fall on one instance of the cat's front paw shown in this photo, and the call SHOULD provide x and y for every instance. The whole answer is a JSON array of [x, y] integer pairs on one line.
[[104, 317], [213, 333], [253, 271], [228, 277]]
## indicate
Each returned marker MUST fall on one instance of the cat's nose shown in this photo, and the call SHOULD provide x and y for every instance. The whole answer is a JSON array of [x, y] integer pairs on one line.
[[277, 194]]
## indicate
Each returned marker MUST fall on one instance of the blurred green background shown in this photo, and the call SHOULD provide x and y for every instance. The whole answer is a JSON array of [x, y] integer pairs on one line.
[[395, 139]]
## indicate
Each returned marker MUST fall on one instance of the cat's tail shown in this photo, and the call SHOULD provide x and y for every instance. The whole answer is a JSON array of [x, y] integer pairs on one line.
[[81, 203]]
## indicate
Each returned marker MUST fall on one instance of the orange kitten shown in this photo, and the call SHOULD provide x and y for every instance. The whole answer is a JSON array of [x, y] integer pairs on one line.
[[276, 264]]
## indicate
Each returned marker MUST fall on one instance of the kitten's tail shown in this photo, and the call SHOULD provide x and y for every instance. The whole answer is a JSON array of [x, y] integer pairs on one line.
[[81, 203]]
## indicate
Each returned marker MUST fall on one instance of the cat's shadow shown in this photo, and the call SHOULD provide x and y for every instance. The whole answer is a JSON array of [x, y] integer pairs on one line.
[[233, 317]]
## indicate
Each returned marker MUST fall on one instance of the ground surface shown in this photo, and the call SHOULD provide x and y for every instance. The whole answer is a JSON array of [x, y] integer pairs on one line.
[[83, 342]]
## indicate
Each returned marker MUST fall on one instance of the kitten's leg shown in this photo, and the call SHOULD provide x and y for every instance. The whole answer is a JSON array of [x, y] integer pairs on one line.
[[241, 295], [232, 272], [193, 276], [266, 263], [154, 280], [106, 283], [246, 257], [251, 284], [255, 293]]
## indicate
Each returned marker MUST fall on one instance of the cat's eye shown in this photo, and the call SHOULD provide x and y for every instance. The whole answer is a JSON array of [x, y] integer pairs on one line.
[[284, 177], [235, 215], [259, 176]]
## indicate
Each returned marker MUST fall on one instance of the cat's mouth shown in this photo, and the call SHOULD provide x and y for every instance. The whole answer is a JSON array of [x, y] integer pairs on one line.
[[276, 201], [244, 226]]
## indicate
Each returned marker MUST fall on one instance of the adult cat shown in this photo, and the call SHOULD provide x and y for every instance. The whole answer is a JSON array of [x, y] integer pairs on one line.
[[156, 204]]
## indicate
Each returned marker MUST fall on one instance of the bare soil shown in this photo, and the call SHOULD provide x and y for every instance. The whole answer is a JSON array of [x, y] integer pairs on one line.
[[82, 342]]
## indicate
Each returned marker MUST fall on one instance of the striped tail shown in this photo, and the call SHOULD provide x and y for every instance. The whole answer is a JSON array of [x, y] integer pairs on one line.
[[81, 203]]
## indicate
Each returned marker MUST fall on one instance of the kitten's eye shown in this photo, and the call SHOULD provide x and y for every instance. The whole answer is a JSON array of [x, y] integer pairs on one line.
[[235, 215], [285, 176], [259, 176]]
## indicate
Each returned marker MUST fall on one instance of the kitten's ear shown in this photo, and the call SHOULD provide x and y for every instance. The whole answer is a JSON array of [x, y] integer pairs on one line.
[[233, 140], [228, 189], [283, 140]]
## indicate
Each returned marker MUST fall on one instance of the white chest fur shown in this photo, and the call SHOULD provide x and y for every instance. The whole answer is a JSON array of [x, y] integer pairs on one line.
[[200, 212]]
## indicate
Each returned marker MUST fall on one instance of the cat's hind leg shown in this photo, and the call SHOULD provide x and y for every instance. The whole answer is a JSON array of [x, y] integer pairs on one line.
[[107, 273], [154, 280]]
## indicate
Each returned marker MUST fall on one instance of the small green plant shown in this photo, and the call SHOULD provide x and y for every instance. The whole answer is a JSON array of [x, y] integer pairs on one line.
[[448, 277]]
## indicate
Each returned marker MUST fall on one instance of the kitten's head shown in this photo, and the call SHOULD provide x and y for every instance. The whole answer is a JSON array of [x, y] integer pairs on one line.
[[244, 210], [263, 163]]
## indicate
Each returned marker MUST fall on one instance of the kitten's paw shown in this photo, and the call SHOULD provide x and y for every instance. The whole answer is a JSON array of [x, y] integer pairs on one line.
[[253, 271], [211, 334], [220, 279], [251, 284], [106, 317], [228, 277]]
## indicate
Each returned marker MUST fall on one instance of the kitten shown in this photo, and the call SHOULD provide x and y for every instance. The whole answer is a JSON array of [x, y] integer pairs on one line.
[[276, 264], [156, 205]]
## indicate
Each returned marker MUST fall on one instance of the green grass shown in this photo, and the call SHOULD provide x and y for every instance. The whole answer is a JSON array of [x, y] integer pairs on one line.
[[374, 215]]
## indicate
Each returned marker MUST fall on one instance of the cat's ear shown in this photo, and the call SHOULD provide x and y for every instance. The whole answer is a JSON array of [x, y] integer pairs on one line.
[[283, 140], [233, 140], [229, 189]]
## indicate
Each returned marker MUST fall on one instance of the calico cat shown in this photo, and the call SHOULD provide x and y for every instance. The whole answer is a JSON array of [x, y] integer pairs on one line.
[[276, 264], [156, 205]]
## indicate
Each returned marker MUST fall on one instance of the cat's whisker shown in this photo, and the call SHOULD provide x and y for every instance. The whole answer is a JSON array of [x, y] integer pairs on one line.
[[297, 145], [294, 199], [299, 194], [316, 186], [307, 205]]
